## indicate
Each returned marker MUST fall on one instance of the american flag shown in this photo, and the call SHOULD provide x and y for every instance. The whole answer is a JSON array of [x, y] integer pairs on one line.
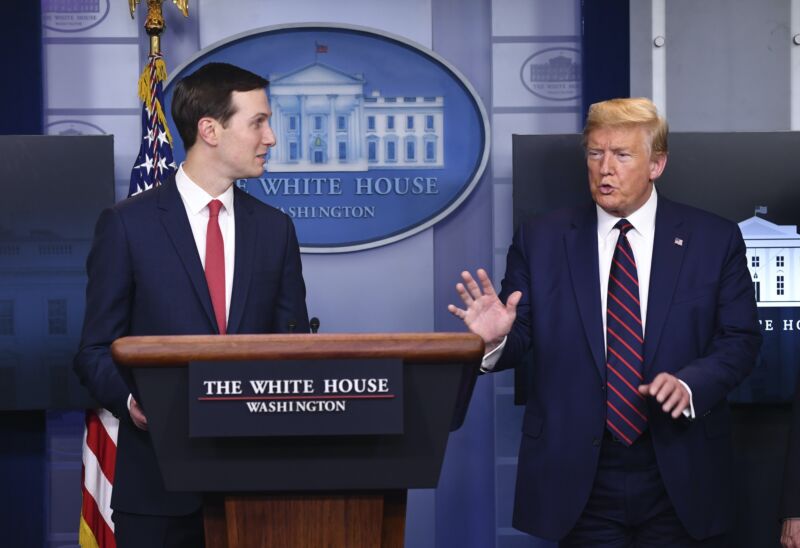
[[154, 163], [152, 167], [96, 530]]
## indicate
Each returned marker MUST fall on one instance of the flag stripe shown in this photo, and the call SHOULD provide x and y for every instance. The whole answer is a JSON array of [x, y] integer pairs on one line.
[[93, 529], [95, 483], [100, 442], [86, 538]]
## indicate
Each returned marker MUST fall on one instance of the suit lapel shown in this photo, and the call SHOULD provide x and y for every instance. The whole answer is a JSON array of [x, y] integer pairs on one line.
[[176, 224], [669, 247], [581, 247], [246, 238]]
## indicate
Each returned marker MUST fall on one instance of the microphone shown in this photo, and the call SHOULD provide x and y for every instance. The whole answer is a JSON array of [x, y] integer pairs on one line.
[[291, 325], [314, 324]]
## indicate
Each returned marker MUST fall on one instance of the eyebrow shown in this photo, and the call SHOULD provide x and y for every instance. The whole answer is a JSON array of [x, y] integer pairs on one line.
[[612, 149]]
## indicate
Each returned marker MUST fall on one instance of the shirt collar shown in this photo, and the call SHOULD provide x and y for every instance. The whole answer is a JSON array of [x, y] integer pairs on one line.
[[195, 198], [643, 219]]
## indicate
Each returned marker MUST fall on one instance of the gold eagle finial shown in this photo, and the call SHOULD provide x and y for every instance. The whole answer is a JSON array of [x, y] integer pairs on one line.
[[182, 5]]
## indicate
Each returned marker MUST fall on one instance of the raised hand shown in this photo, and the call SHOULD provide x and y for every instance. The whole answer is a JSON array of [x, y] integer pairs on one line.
[[485, 315]]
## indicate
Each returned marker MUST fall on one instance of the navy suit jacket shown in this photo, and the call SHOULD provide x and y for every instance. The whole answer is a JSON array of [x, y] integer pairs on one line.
[[790, 497], [146, 278], [701, 326]]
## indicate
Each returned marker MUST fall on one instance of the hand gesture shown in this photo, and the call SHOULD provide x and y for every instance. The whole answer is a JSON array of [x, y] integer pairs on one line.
[[669, 392], [485, 315], [790, 533], [137, 415]]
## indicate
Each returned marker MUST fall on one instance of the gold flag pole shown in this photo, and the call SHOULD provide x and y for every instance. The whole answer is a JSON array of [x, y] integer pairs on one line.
[[154, 23]]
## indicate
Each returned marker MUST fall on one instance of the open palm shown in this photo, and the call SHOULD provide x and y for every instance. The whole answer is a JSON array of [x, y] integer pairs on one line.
[[485, 314]]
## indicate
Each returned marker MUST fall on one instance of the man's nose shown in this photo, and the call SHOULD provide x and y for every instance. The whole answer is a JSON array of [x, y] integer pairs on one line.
[[606, 165], [269, 137]]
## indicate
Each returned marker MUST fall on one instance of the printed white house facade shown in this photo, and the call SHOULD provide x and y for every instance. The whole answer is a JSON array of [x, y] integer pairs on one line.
[[773, 257], [323, 122]]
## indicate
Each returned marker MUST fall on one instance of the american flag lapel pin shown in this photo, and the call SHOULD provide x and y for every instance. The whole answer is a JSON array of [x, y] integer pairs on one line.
[[678, 241]]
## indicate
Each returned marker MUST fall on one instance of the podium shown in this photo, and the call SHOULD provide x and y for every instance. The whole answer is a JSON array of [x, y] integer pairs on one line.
[[305, 491]]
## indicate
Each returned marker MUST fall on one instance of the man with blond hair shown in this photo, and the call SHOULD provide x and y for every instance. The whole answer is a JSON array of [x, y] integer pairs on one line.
[[641, 318]]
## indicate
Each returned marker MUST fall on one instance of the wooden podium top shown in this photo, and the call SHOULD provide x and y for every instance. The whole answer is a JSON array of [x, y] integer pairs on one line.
[[178, 350]]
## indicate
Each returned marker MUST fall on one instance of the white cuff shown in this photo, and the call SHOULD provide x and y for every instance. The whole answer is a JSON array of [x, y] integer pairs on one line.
[[130, 397], [491, 359], [689, 411]]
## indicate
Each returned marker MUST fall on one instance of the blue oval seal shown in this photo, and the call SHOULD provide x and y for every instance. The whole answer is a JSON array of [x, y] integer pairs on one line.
[[73, 15], [378, 138]]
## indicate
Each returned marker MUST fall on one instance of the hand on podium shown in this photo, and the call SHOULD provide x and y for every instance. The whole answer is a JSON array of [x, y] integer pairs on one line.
[[137, 415]]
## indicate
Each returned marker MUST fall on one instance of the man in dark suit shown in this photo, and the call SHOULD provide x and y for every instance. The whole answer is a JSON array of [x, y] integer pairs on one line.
[[641, 317], [193, 256], [790, 498]]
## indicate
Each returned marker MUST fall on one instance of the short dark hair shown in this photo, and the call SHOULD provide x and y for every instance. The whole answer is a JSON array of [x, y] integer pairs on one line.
[[207, 92]]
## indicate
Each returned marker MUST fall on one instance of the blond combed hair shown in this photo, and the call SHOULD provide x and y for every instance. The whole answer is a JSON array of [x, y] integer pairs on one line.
[[629, 112]]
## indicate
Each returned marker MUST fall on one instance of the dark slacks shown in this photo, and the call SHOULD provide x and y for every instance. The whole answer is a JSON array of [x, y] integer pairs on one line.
[[629, 506], [138, 531]]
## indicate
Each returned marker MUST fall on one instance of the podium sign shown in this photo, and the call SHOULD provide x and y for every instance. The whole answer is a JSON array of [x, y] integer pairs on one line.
[[295, 398], [303, 490]]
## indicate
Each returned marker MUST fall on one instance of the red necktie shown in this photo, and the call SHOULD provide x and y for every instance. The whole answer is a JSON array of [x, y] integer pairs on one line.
[[215, 264], [626, 416]]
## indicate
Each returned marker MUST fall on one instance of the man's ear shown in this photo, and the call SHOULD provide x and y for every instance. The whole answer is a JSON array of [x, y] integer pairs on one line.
[[657, 164], [207, 130]]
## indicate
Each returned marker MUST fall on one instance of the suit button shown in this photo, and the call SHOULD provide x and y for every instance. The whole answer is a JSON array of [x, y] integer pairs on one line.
[[596, 442]]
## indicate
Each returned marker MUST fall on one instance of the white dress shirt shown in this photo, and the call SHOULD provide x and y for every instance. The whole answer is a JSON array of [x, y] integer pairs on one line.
[[196, 200]]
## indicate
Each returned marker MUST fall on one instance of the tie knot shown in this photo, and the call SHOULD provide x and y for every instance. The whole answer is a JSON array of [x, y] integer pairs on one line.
[[624, 226], [213, 208]]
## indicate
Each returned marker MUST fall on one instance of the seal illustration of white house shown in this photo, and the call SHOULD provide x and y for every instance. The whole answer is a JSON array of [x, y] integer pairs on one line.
[[323, 121], [773, 257]]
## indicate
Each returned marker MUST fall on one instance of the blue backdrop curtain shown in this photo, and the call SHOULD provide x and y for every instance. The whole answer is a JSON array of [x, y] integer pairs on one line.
[[21, 92], [22, 459], [606, 67]]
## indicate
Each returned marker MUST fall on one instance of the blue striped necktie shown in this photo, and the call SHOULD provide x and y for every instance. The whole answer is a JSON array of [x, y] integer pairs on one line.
[[626, 416]]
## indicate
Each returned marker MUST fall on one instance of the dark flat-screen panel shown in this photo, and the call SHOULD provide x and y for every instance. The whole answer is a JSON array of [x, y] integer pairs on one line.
[[53, 189], [750, 178]]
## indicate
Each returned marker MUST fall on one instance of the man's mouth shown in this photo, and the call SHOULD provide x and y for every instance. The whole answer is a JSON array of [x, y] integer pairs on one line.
[[605, 189]]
